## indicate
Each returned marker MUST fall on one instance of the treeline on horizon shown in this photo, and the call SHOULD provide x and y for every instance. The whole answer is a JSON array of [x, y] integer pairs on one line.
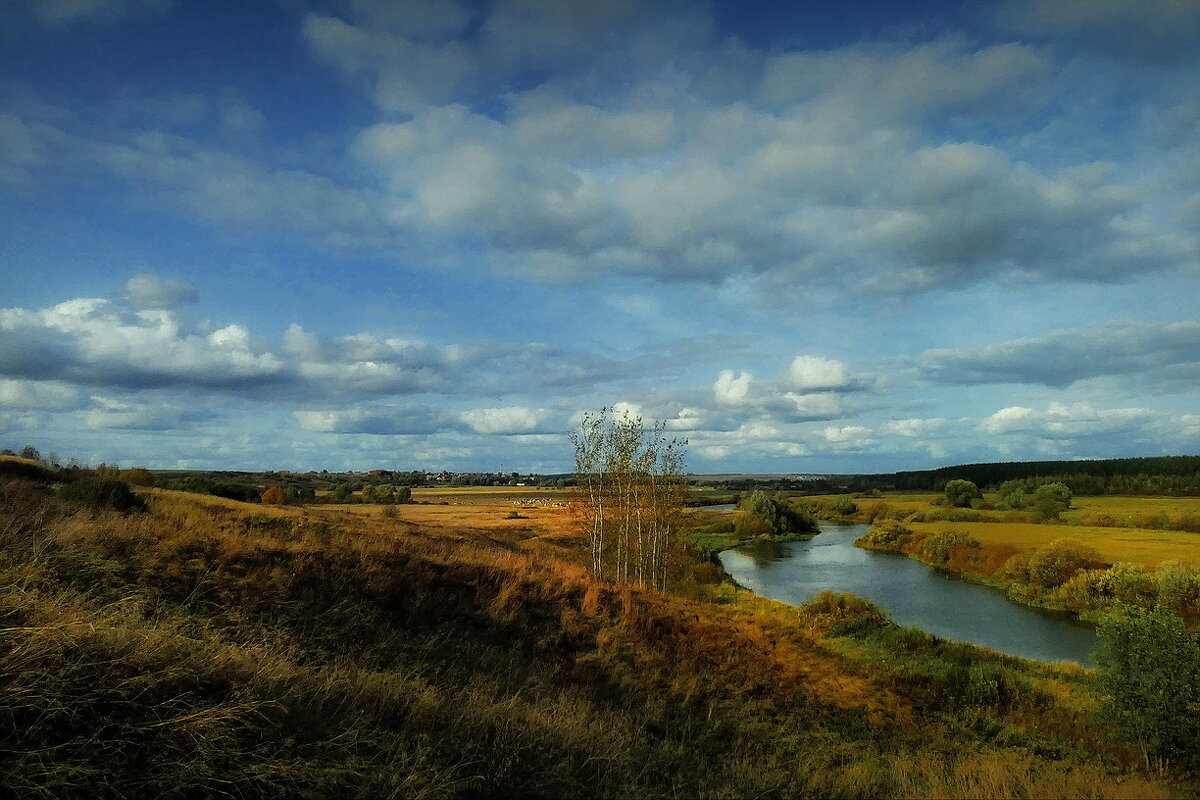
[[1154, 475]]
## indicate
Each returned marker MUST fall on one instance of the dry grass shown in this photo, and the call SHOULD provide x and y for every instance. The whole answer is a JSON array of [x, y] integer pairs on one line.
[[212, 647]]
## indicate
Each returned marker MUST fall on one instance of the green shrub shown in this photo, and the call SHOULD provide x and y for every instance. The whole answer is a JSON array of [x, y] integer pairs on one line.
[[936, 549], [960, 493], [102, 493], [770, 515], [889, 535], [1150, 668], [1050, 500], [1053, 564], [844, 505]]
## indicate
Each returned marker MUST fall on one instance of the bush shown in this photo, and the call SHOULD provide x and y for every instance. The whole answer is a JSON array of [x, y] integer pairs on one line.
[[1053, 564], [890, 535], [1179, 588], [1150, 667], [1012, 495], [1050, 500], [960, 493], [936, 549], [102, 493], [844, 505], [770, 515], [138, 476], [26, 471], [273, 496], [749, 525]]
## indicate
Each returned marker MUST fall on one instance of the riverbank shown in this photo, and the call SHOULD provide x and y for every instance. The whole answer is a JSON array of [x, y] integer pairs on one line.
[[1064, 574]]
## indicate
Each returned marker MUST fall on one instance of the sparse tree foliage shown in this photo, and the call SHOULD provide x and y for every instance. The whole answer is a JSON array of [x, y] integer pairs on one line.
[[630, 492]]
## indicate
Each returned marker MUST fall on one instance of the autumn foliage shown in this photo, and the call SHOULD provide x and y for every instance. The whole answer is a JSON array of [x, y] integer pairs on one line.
[[273, 496]]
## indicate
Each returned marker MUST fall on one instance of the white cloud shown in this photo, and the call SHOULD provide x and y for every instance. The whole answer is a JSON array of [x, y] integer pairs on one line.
[[733, 388], [43, 395], [113, 413], [1157, 351], [814, 373], [513, 419], [848, 437], [101, 342], [912, 427], [1067, 421]]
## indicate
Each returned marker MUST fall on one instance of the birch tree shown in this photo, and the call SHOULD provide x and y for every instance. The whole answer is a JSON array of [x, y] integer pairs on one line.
[[630, 492]]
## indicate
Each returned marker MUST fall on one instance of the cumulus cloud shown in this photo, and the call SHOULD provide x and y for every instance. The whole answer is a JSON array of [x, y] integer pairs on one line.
[[809, 389], [43, 395], [100, 342], [912, 427], [573, 141], [1062, 358], [814, 373], [114, 413], [512, 419], [103, 342], [733, 388], [848, 437], [389, 420], [1067, 421]]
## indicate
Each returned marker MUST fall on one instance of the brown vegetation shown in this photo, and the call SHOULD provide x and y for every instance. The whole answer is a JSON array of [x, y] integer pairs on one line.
[[209, 647]]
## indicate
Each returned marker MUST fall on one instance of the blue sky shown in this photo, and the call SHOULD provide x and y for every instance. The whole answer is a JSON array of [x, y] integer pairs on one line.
[[809, 237]]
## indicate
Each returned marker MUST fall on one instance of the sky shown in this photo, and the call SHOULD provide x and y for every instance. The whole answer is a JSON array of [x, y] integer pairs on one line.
[[430, 234]]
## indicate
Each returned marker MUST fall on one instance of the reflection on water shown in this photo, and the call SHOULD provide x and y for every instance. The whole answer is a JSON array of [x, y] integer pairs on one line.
[[763, 552], [913, 594]]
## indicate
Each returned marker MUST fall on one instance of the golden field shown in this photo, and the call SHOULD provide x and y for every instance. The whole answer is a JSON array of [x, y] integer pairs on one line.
[[1150, 548]]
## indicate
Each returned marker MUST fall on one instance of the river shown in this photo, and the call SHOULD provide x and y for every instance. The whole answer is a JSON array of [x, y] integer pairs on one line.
[[913, 593]]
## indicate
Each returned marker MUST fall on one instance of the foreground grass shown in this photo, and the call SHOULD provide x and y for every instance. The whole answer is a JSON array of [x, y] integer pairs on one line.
[[209, 648]]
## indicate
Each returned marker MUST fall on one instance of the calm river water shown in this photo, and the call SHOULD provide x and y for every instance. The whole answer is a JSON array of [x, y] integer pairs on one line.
[[912, 593]]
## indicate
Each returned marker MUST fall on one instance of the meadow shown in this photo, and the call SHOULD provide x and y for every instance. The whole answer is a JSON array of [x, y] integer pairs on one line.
[[1144, 530], [206, 647]]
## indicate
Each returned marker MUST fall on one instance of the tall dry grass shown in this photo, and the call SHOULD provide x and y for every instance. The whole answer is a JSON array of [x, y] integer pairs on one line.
[[210, 648]]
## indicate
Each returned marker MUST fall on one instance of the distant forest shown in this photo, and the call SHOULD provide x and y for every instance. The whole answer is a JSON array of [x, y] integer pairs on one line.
[[1159, 475]]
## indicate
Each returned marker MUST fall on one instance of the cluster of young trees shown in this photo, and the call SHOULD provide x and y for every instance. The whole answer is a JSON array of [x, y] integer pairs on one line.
[[764, 513], [630, 491], [1047, 500]]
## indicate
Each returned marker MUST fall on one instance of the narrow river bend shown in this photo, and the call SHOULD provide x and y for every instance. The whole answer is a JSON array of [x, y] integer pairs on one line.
[[913, 593]]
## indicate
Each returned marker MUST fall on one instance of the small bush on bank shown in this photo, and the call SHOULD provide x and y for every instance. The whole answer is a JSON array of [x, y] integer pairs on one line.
[[102, 494]]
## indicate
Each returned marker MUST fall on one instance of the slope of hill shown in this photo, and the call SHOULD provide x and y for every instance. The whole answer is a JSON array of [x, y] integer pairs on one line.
[[213, 648]]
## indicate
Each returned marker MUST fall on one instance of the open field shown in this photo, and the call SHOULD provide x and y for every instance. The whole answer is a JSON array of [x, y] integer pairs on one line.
[[1150, 548]]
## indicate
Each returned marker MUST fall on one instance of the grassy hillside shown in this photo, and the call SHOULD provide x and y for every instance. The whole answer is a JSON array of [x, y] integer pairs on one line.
[[212, 648]]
